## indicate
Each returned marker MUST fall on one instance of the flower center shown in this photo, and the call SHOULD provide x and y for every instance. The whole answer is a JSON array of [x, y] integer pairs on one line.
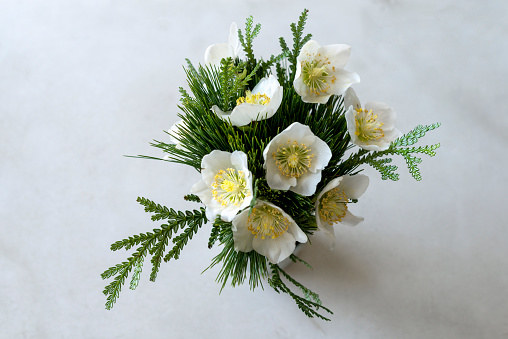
[[316, 75], [293, 160], [230, 187], [367, 126], [333, 206], [266, 221], [257, 99]]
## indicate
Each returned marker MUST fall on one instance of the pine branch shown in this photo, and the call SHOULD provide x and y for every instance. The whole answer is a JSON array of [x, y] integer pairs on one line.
[[192, 197], [237, 265], [294, 258], [298, 41], [412, 137], [274, 60], [387, 171], [308, 294], [396, 147], [194, 222], [307, 305], [214, 234], [246, 41], [153, 244]]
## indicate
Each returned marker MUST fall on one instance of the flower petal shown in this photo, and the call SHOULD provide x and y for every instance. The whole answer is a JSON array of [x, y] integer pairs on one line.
[[244, 113], [239, 160], [350, 219], [201, 188], [213, 162], [286, 243], [343, 80], [297, 131], [266, 86], [220, 113], [338, 54], [307, 183], [350, 99], [174, 132], [307, 95], [229, 213], [233, 40], [215, 53], [320, 148], [267, 248], [354, 185], [308, 50], [242, 237], [297, 233], [351, 124]]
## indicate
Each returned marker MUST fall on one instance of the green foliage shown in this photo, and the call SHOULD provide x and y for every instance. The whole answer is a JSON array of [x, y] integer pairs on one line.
[[250, 34], [294, 258], [298, 42], [309, 305], [192, 197], [412, 137], [399, 147], [214, 234], [237, 265], [153, 244], [387, 171]]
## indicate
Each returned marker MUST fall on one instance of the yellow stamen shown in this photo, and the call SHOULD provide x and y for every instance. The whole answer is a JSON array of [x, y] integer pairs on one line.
[[258, 99], [230, 187], [267, 221], [333, 206], [316, 75], [293, 160], [368, 127]]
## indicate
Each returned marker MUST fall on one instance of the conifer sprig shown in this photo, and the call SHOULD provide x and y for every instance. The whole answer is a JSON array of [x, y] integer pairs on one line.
[[310, 304], [294, 258], [250, 34], [399, 147], [191, 197], [298, 42], [237, 265], [153, 244]]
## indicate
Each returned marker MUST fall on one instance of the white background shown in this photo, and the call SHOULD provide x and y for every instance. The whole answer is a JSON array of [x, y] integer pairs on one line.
[[83, 83]]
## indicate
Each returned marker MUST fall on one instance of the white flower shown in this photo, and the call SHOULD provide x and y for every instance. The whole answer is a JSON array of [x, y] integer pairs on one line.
[[294, 160], [371, 128], [226, 184], [320, 72], [331, 203], [215, 53], [268, 230], [260, 104]]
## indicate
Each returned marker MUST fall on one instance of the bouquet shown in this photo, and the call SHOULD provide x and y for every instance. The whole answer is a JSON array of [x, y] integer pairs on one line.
[[279, 143]]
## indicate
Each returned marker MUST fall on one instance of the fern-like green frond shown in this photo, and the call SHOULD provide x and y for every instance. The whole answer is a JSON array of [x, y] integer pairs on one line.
[[310, 304], [250, 34], [153, 244], [412, 137], [191, 197], [400, 147], [298, 41]]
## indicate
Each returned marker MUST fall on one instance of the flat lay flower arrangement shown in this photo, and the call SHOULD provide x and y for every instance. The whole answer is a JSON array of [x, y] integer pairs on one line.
[[279, 144]]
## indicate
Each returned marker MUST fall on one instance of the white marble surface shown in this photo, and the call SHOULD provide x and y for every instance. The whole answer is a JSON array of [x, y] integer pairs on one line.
[[84, 82]]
